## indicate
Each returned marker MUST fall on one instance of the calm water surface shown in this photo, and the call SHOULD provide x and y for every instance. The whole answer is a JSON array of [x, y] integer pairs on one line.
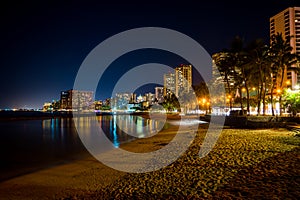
[[28, 145]]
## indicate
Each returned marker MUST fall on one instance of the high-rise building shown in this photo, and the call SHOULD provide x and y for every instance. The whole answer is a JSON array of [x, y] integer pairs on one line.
[[76, 99], [65, 100], [287, 22], [169, 84], [183, 79]]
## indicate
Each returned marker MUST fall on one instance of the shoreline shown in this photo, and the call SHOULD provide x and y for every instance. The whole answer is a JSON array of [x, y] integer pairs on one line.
[[83, 155], [32, 115], [60, 170], [87, 178], [9, 173]]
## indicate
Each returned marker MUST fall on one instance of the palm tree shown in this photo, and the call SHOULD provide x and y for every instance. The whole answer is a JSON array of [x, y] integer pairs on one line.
[[225, 64], [242, 69], [171, 103], [202, 93], [282, 60], [232, 66], [261, 71]]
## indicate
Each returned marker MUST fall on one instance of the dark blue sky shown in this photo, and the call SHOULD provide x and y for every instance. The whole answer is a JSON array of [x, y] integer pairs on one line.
[[43, 44]]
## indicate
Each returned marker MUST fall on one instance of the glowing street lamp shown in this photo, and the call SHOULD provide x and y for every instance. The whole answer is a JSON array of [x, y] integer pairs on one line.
[[278, 91], [229, 100]]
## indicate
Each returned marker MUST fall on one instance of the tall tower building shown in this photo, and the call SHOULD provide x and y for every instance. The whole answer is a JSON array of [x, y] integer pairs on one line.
[[287, 22], [169, 84], [183, 79]]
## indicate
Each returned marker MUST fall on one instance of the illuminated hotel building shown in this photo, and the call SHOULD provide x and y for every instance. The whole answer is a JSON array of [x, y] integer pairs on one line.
[[183, 79], [287, 23], [76, 99], [169, 84], [178, 82]]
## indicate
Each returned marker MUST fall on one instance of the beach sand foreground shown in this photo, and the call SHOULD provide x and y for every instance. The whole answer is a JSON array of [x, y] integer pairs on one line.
[[243, 163]]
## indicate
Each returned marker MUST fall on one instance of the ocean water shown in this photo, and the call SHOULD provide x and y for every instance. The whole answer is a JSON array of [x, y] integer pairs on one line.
[[29, 145]]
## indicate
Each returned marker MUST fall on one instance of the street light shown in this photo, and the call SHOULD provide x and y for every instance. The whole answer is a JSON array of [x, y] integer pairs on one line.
[[207, 109], [229, 99], [278, 91]]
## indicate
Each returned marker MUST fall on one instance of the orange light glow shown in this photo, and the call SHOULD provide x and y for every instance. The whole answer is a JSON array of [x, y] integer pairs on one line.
[[278, 90]]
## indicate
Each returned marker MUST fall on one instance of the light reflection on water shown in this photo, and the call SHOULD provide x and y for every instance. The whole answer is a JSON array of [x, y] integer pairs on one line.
[[124, 128], [27, 144], [118, 128], [114, 131], [137, 126]]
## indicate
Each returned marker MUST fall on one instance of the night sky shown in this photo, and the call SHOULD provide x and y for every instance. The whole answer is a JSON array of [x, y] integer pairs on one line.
[[43, 44]]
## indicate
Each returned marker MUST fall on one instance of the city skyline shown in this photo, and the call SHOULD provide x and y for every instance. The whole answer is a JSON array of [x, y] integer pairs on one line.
[[74, 99], [45, 43]]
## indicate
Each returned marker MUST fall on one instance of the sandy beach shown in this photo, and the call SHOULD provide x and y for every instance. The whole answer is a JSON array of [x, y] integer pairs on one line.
[[243, 164]]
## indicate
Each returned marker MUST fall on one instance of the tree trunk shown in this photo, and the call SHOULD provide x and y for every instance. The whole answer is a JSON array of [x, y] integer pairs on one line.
[[229, 90], [259, 97], [241, 99], [248, 98], [272, 106], [264, 100], [260, 89], [281, 84], [280, 110]]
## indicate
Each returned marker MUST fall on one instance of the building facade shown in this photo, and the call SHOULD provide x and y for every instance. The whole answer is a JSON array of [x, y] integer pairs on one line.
[[287, 22], [183, 79], [169, 84], [66, 99], [121, 100], [76, 100]]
